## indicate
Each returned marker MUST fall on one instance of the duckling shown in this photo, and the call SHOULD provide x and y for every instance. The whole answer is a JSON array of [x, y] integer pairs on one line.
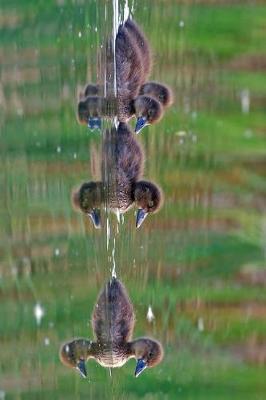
[[146, 101], [113, 323], [129, 78], [122, 168]]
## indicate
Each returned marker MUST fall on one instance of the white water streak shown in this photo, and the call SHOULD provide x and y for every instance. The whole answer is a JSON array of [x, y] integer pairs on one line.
[[115, 30], [107, 232], [113, 259], [126, 11]]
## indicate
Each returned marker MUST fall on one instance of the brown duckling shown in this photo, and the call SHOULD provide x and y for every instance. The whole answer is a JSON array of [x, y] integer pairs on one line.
[[113, 323], [122, 168], [133, 63], [129, 78], [146, 102]]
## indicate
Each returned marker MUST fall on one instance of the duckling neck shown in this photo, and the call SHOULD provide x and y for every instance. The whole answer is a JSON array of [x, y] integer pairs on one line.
[[92, 350], [131, 350]]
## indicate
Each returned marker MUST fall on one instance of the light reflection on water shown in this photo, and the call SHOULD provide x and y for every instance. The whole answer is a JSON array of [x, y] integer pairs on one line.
[[198, 264]]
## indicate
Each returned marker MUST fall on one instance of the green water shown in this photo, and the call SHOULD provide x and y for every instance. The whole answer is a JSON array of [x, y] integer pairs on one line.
[[199, 262]]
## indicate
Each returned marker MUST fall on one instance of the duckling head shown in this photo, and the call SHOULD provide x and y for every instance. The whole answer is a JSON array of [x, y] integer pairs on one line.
[[160, 92], [89, 112], [148, 353], [148, 198], [88, 200], [148, 110], [91, 90], [74, 354]]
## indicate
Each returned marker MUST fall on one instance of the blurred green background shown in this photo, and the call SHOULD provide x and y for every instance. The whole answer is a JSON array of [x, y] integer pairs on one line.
[[199, 263]]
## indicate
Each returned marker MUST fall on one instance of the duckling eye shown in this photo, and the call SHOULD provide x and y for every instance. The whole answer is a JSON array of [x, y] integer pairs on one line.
[[150, 113], [150, 204], [150, 354]]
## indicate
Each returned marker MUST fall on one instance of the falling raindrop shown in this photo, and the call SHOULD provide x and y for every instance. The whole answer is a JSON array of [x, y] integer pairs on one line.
[[200, 324], [150, 316], [38, 313]]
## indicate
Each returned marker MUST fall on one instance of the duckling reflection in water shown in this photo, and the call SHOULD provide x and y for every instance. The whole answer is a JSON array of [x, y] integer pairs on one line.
[[113, 323], [122, 168], [146, 101]]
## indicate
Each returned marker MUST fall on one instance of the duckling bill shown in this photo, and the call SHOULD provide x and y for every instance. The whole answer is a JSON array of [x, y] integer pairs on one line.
[[113, 323]]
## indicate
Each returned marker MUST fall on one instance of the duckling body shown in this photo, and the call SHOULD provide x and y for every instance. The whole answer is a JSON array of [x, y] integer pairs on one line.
[[113, 323], [130, 77], [122, 165], [121, 187], [142, 44]]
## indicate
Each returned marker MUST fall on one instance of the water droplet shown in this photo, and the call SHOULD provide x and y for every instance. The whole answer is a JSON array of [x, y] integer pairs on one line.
[[38, 313], [245, 101], [200, 324], [150, 316], [46, 341], [181, 133]]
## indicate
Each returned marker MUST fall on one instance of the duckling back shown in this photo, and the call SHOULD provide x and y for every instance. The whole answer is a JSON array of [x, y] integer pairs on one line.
[[129, 71], [122, 166], [142, 43], [113, 315]]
